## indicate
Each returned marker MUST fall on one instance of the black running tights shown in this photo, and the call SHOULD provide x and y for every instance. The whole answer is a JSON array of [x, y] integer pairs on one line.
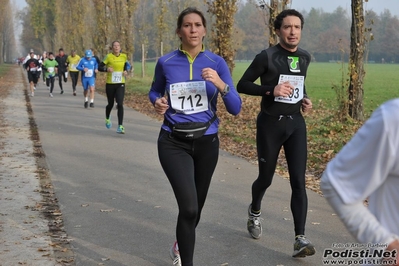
[[189, 166], [74, 77], [61, 76], [272, 134], [50, 83], [115, 92]]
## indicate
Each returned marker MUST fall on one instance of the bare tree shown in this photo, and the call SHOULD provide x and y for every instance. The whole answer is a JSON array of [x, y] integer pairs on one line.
[[6, 32], [100, 39], [356, 61], [224, 11], [272, 9]]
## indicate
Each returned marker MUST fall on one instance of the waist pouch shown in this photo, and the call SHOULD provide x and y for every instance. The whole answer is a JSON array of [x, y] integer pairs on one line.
[[189, 130]]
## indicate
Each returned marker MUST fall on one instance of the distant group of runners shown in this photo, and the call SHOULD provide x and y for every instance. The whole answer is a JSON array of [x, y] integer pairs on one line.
[[49, 66]]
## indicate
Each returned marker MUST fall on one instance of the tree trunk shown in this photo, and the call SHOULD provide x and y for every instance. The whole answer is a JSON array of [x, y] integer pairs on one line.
[[222, 32], [273, 8], [356, 61]]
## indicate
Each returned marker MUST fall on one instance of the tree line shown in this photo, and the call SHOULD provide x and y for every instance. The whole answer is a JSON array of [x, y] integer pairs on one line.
[[81, 24]]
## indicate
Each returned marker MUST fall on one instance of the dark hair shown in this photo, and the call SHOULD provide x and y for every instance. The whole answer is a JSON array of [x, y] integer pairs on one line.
[[50, 53], [61, 49], [285, 13], [188, 11]]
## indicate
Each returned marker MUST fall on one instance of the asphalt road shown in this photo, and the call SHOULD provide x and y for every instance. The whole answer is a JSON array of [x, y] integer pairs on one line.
[[118, 207]]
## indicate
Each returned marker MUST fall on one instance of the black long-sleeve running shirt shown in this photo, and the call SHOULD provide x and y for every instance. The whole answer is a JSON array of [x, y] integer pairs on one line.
[[268, 65]]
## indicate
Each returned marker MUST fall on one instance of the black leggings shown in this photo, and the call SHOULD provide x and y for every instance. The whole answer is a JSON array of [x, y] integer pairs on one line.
[[61, 76], [273, 133], [189, 166], [115, 92], [50, 83], [74, 77]]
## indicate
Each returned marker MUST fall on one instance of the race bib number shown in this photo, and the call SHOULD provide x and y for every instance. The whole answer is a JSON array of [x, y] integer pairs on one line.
[[33, 69], [89, 73], [73, 67], [297, 93], [189, 97], [50, 69], [116, 77]]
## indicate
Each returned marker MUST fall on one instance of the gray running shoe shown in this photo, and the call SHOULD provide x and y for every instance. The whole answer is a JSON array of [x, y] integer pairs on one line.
[[254, 224], [303, 247], [175, 254]]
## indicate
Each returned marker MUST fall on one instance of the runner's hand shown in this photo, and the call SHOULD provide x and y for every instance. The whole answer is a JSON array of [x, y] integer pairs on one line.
[[161, 105], [394, 245], [284, 89], [306, 105]]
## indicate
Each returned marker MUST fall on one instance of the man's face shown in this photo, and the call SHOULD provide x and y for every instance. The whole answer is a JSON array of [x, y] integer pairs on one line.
[[290, 33], [61, 53]]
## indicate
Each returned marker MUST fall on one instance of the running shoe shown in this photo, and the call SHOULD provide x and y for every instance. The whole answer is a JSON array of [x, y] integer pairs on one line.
[[120, 130], [62, 92], [74, 93], [175, 254], [34, 88], [32, 94], [51, 95], [86, 104], [108, 123], [91, 105], [254, 224], [303, 247]]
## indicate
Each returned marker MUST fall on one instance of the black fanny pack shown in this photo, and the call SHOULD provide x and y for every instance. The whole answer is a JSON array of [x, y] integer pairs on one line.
[[189, 130]]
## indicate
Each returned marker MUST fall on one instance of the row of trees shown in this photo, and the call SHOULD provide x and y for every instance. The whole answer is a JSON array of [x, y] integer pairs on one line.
[[236, 30], [79, 24], [7, 38]]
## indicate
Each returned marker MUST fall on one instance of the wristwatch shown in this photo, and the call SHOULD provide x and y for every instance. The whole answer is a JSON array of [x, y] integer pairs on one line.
[[225, 90]]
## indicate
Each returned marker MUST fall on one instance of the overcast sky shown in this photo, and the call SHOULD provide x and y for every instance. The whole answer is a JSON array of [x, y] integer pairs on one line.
[[377, 6], [19, 3]]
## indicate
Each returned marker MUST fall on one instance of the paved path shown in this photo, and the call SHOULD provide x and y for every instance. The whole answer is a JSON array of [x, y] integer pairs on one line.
[[118, 207]]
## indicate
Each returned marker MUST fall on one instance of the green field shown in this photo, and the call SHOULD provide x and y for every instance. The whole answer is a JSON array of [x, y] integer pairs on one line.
[[326, 132], [4, 68], [379, 83]]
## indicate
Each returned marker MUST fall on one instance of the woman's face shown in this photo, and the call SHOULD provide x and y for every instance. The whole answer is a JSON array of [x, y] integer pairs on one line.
[[116, 47], [191, 32]]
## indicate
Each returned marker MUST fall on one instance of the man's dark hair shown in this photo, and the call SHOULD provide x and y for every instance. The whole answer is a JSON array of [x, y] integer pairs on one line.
[[285, 13], [61, 49]]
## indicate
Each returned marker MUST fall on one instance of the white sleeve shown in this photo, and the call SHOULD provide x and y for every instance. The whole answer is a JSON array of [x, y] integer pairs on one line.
[[365, 162], [359, 221], [359, 169]]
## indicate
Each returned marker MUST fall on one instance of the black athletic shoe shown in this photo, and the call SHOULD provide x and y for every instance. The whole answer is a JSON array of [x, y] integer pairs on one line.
[[254, 224], [62, 92], [86, 104], [91, 105], [303, 247]]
